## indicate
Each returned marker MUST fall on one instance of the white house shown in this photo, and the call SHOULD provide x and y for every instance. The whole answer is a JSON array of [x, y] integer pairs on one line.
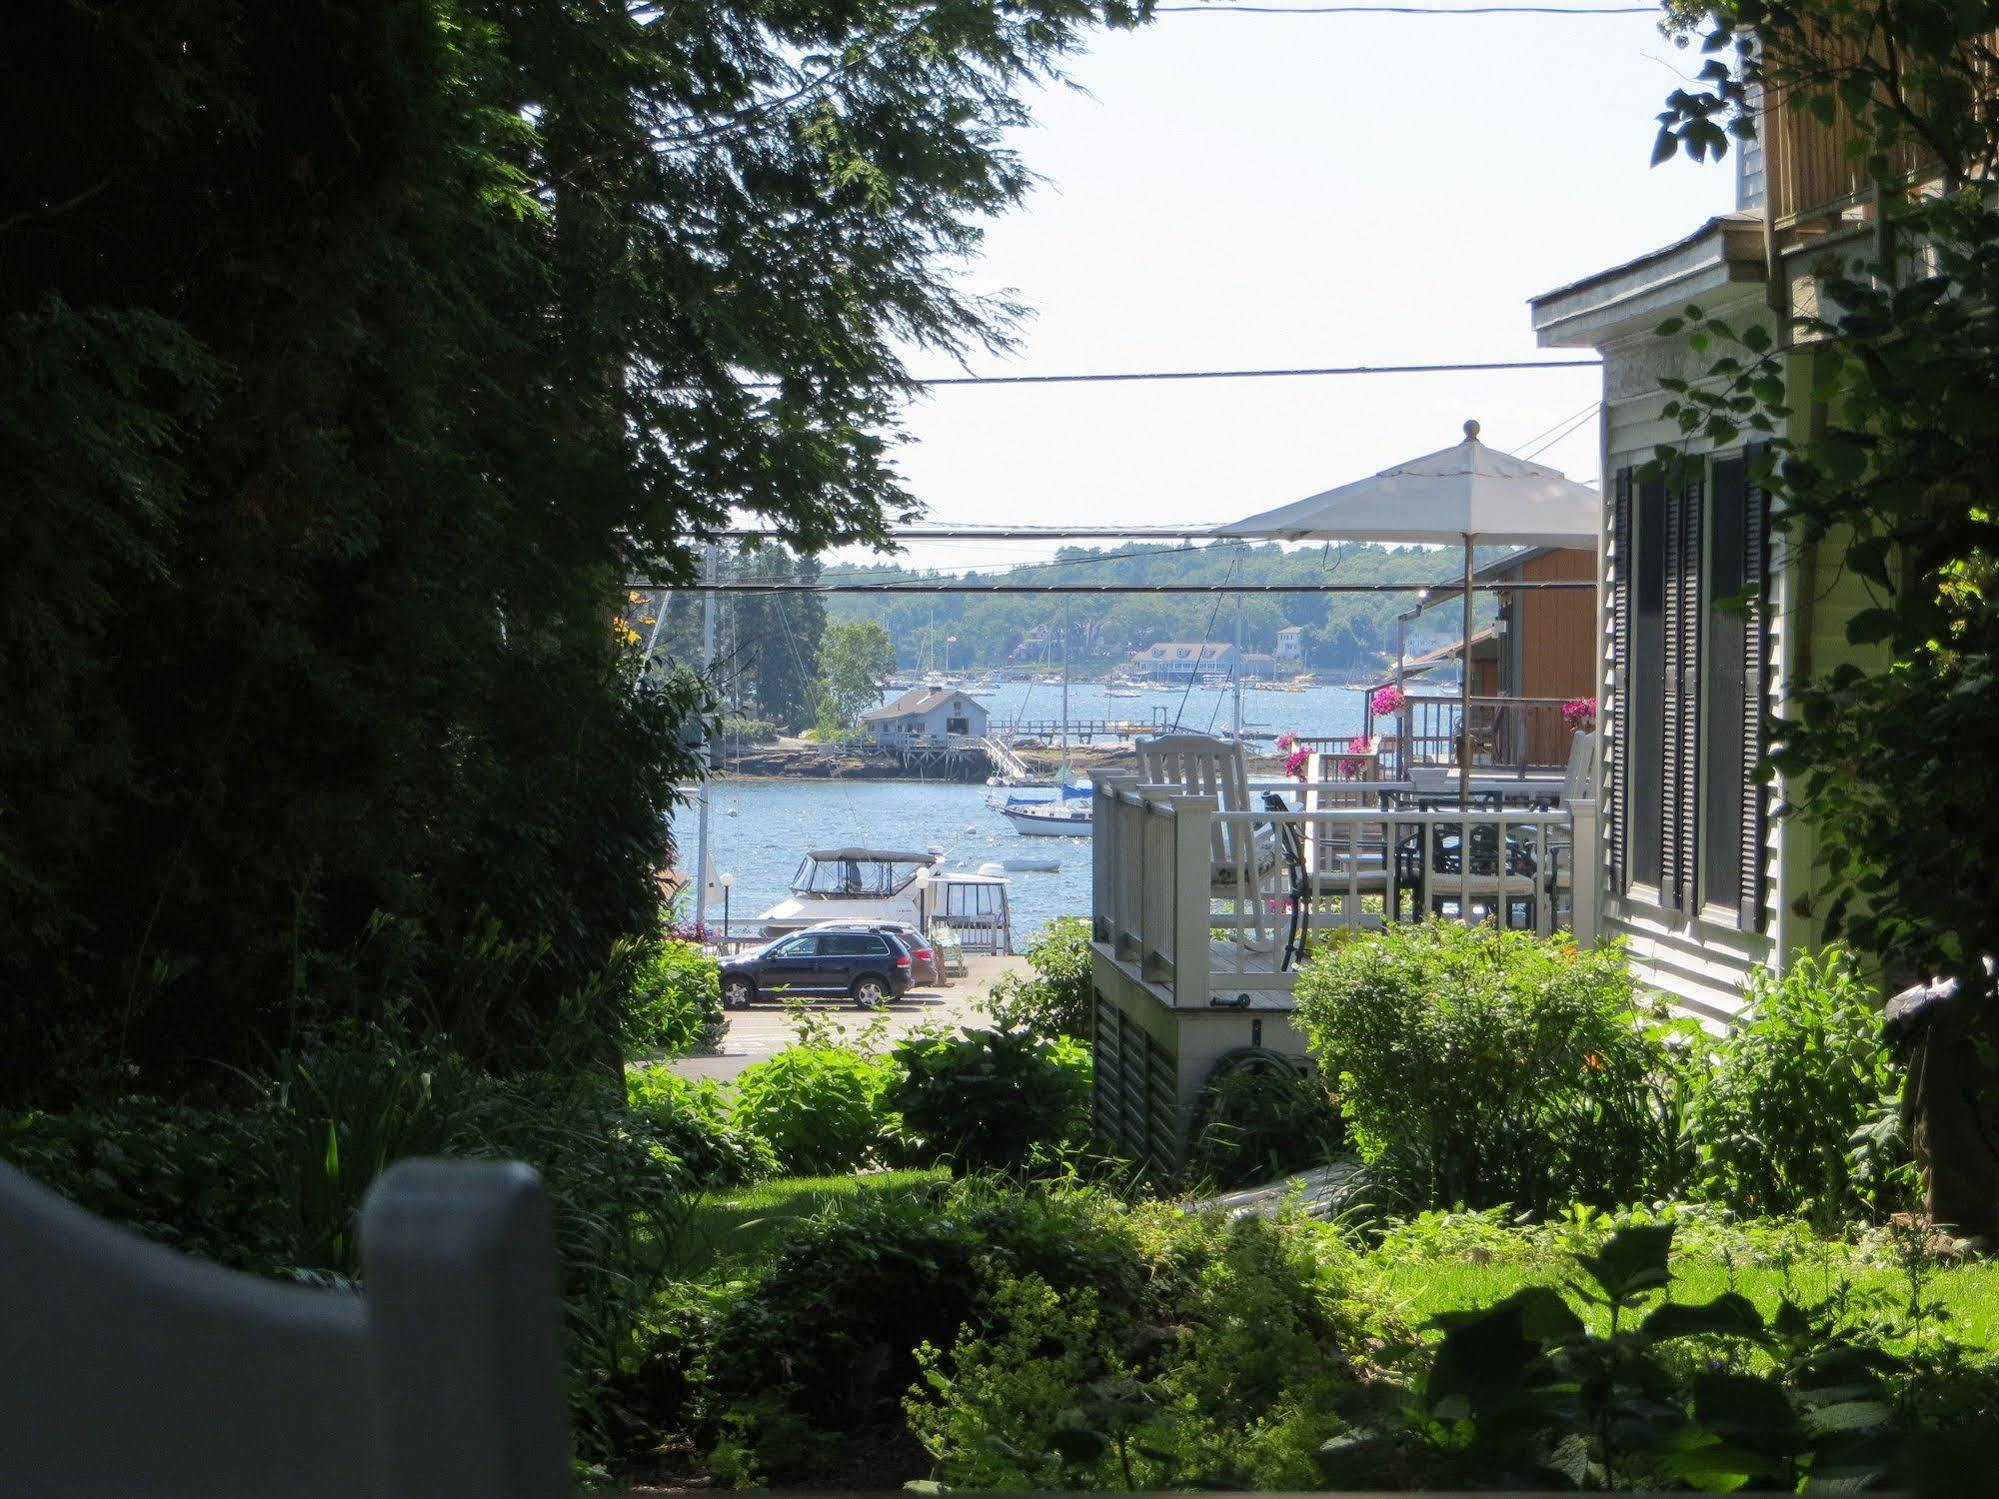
[[927, 713], [1291, 645], [1184, 658]]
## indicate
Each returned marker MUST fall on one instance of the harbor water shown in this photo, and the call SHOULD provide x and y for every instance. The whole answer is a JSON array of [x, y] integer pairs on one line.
[[761, 829]]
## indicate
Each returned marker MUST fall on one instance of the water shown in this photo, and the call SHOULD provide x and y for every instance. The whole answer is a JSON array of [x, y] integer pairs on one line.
[[759, 830]]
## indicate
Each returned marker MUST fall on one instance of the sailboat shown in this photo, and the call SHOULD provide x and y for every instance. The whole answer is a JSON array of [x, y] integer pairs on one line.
[[1067, 814]]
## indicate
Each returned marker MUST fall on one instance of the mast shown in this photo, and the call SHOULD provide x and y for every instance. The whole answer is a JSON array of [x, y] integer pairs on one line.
[[1064, 771], [1238, 669], [711, 562]]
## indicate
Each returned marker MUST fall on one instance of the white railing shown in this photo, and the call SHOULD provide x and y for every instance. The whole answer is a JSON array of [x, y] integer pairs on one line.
[[1343, 854]]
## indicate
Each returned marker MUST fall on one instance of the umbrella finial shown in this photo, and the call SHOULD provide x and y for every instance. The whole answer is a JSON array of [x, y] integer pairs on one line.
[[1471, 431]]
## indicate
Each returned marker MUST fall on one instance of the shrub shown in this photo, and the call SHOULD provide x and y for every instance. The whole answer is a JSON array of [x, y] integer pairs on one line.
[[805, 1372], [1262, 1119], [676, 1000], [1058, 999], [1785, 1091], [1480, 1066], [992, 1099], [818, 1104], [695, 1120], [1239, 1359], [748, 730]]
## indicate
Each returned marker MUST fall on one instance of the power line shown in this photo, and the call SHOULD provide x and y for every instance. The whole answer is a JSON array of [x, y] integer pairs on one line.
[[1470, 367], [927, 585]]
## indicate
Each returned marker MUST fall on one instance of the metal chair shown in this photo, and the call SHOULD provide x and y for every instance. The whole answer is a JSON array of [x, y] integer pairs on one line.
[[134, 1370]]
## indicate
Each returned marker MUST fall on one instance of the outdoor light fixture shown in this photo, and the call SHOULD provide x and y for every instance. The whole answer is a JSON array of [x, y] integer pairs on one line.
[[728, 879]]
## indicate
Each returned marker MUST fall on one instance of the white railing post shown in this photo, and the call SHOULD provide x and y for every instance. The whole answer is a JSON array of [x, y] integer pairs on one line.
[[1586, 879], [1192, 883]]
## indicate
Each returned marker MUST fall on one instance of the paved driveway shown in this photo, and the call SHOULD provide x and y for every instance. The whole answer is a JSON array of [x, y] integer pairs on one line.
[[765, 1027]]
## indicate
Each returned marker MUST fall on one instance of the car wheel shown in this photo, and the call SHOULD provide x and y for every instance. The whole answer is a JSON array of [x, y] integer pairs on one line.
[[869, 990], [736, 992]]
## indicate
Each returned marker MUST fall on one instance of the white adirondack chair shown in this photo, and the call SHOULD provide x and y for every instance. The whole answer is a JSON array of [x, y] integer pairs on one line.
[[133, 1370], [1241, 865]]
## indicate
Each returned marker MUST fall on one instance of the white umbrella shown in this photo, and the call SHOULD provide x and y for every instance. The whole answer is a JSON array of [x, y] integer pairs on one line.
[[1468, 493]]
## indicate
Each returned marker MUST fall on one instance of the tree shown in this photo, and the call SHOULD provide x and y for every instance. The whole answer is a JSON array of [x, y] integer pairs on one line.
[[365, 352], [1888, 764], [855, 660]]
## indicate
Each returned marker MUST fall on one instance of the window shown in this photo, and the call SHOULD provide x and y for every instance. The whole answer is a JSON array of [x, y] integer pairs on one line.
[[797, 947], [1645, 683], [852, 945], [1685, 813], [957, 726]]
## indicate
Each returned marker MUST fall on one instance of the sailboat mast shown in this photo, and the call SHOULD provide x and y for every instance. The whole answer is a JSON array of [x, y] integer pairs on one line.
[[1065, 689]]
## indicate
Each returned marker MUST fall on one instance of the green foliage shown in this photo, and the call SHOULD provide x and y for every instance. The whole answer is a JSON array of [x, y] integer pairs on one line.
[[1058, 999], [1881, 451], [1229, 1372], [1785, 1091], [366, 350], [694, 1120], [748, 731], [819, 1105], [1038, 1319], [1481, 1067], [1262, 1120], [1649, 1392], [676, 1000], [855, 660], [992, 1100]]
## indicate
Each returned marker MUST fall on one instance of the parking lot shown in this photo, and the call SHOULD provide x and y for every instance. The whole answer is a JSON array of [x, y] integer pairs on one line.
[[765, 1027]]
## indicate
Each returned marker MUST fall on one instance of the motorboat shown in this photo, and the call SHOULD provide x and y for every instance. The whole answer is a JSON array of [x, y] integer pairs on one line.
[[868, 884], [1065, 816]]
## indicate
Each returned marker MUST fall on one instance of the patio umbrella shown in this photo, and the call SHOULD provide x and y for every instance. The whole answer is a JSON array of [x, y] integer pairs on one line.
[[1468, 493]]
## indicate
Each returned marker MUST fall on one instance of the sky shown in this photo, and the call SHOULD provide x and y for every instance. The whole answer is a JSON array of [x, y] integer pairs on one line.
[[1258, 191]]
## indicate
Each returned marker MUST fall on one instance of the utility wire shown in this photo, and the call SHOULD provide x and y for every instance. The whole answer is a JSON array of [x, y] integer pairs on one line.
[[1467, 367]]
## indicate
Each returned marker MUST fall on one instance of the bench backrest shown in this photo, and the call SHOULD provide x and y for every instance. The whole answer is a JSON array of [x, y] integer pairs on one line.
[[137, 1370]]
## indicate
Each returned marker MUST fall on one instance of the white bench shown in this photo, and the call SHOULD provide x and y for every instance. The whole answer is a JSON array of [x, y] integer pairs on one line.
[[135, 1371]]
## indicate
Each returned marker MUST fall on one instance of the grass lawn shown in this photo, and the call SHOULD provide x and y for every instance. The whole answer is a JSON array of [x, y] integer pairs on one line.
[[1424, 1287], [743, 1223]]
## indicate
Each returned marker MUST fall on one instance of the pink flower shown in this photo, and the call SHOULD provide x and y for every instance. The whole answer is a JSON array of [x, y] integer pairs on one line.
[[1579, 713], [1287, 740], [1387, 701], [1351, 770], [1295, 762]]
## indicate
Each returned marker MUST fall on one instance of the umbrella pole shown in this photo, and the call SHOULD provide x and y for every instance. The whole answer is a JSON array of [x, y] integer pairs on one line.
[[1464, 692]]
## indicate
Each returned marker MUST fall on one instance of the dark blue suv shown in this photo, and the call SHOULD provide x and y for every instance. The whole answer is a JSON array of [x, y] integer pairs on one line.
[[871, 965]]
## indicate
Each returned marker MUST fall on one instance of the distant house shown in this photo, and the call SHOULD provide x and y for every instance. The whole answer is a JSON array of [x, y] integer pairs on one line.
[[1291, 645], [927, 713], [1179, 659], [1033, 646], [1258, 668]]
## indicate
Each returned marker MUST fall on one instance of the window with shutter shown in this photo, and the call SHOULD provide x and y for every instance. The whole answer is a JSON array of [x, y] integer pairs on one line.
[[1680, 794], [1644, 732], [1723, 699], [1616, 790], [1755, 795]]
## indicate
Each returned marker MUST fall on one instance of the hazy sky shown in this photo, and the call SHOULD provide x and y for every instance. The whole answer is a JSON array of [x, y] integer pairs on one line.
[[1251, 191]]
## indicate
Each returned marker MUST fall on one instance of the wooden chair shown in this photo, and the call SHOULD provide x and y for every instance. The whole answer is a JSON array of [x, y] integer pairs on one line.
[[134, 1370], [1241, 866]]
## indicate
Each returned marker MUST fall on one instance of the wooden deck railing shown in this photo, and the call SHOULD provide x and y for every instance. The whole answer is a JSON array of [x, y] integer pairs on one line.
[[1186, 925], [1514, 735]]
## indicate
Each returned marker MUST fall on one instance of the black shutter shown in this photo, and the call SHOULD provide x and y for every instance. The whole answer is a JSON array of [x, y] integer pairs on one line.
[[1756, 695], [1679, 837], [1616, 774]]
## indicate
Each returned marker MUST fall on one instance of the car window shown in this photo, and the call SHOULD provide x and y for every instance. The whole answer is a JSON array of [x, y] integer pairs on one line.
[[797, 947], [855, 945]]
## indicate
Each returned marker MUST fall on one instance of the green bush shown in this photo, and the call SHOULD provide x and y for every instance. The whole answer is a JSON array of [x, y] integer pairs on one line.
[[1240, 1357], [820, 1105], [676, 1000], [988, 1100], [810, 1373], [695, 1120], [1262, 1119], [748, 730], [1059, 998], [1785, 1091], [1480, 1066]]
